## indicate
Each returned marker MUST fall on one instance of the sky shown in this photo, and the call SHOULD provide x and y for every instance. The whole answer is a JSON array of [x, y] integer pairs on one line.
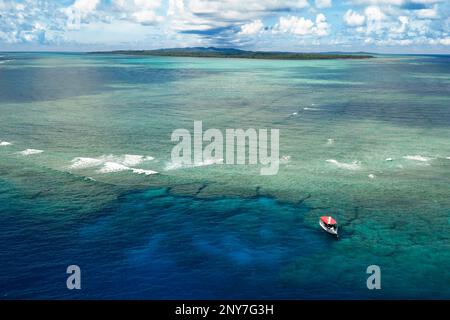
[[388, 26]]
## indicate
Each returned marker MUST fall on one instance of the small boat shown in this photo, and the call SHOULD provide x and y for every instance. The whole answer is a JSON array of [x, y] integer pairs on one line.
[[329, 225]]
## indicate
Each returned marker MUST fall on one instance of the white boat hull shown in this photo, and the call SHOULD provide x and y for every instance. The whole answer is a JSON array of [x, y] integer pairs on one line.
[[334, 232]]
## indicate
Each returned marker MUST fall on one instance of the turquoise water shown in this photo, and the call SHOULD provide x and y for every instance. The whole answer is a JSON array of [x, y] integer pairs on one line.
[[367, 141]]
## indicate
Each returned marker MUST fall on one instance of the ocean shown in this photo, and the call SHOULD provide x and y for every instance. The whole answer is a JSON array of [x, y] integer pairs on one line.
[[366, 141]]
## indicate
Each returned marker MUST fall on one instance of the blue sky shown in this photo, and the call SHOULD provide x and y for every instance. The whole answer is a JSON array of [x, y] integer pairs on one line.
[[397, 26]]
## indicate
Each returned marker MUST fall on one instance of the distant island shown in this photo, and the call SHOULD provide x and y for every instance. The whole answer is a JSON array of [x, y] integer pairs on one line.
[[212, 52]]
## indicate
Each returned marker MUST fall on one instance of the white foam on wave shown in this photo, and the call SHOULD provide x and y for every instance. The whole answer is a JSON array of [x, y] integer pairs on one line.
[[29, 152], [110, 167], [83, 163], [112, 163], [312, 109], [209, 162], [330, 141], [355, 165], [4, 61], [448, 158], [372, 176], [134, 159], [206, 162], [418, 158], [142, 171], [5, 143]]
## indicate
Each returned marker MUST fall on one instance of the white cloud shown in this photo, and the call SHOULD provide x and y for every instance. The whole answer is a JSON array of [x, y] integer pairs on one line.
[[374, 16], [354, 19], [201, 15], [240, 10], [426, 1], [323, 3], [80, 9], [135, 5], [157, 23], [445, 41], [374, 13], [181, 18], [146, 17], [295, 25], [380, 2], [429, 13], [140, 11], [404, 21], [85, 6], [322, 27], [175, 6], [252, 28], [302, 26]]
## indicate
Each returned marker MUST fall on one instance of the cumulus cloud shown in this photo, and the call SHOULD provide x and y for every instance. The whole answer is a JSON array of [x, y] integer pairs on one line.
[[404, 21], [380, 2], [146, 17], [428, 13], [295, 25], [253, 27], [354, 19], [201, 15], [225, 22], [301, 26], [140, 11], [397, 23], [322, 27], [445, 41], [80, 11], [374, 16], [85, 6], [374, 13], [30, 22], [323, 3]]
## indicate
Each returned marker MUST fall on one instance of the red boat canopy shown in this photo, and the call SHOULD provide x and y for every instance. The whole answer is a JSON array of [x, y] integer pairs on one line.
[[328, 220]]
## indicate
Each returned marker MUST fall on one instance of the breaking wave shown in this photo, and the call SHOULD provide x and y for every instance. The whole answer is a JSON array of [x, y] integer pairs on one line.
[[355, 165], [418, 158], [29, 152], [112, 163], [110, 167], [207, 162], [83, 163], [142, 171]]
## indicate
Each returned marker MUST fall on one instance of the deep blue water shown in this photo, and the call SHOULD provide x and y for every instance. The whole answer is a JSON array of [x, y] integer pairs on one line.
[[164, 247]]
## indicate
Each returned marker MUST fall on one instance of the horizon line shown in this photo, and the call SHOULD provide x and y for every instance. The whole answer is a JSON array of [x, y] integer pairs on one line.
[[168, 48]]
